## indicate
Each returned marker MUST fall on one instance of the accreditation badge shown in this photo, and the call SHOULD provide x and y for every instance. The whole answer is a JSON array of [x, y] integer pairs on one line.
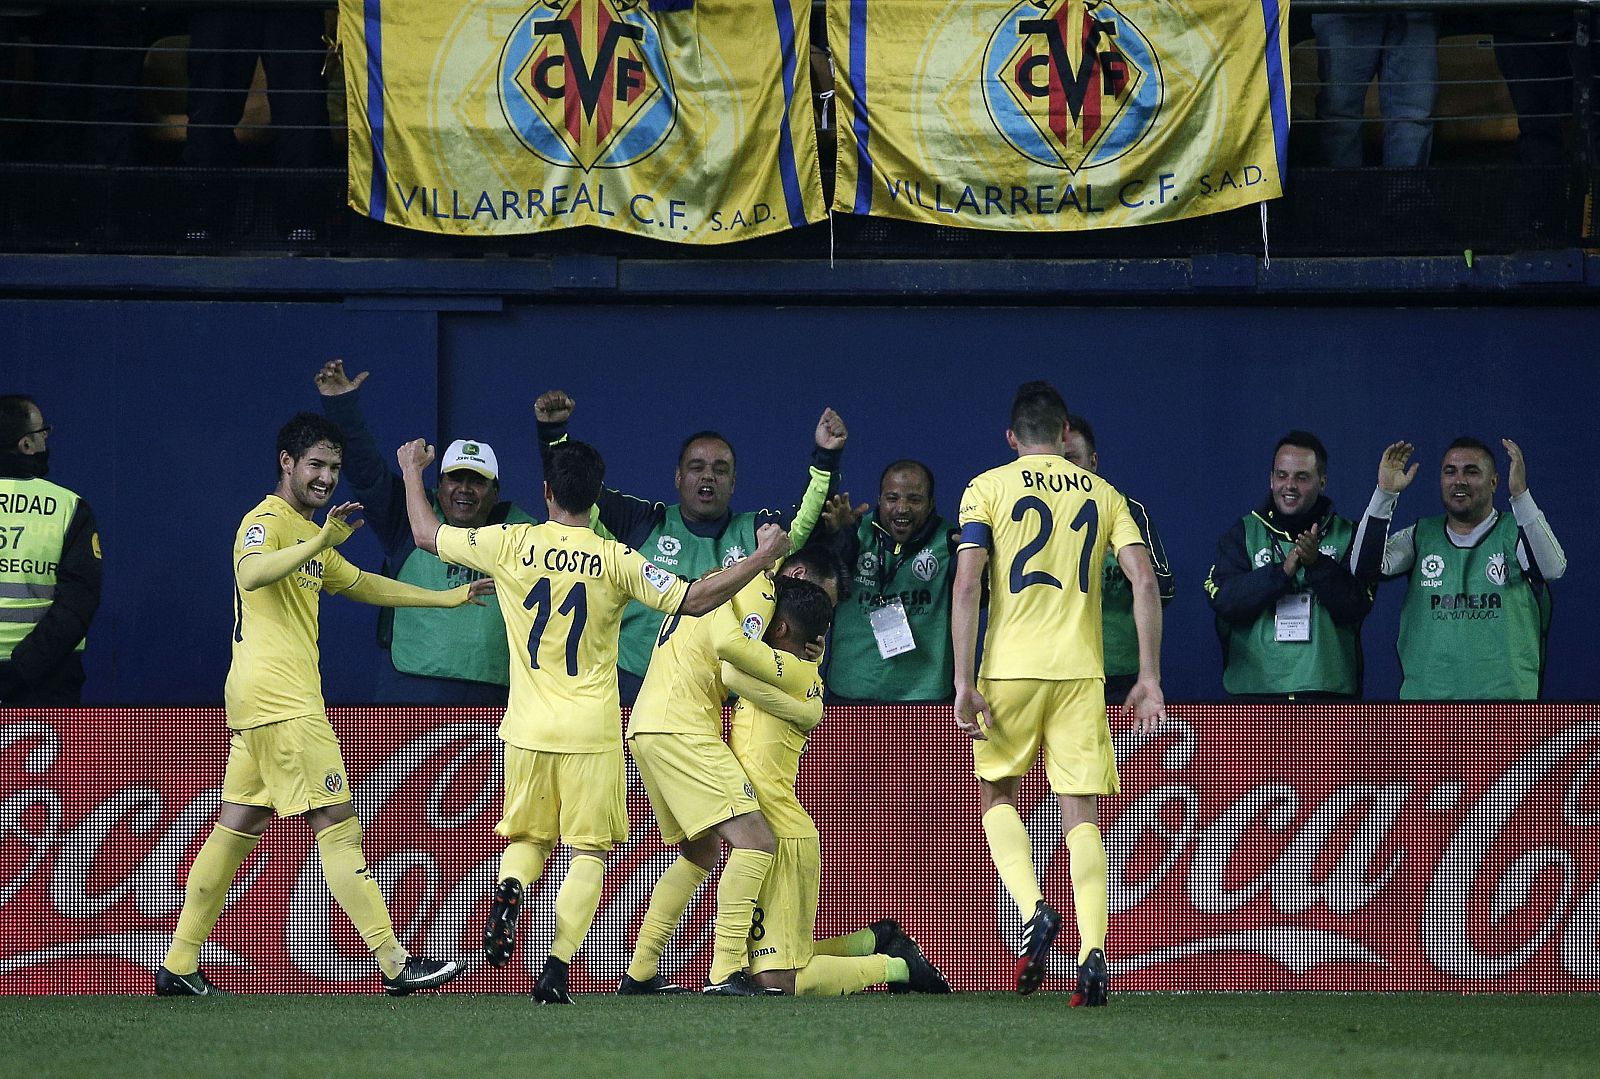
[[891, 629]]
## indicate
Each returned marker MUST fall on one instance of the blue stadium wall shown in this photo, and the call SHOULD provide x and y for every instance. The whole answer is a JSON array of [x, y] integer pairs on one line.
[[165, 410]]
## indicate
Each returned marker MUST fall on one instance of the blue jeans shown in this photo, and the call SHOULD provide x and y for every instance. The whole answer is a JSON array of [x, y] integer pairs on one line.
[[1400, 48]]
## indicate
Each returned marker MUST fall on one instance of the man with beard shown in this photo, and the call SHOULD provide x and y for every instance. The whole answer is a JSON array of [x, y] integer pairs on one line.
[[1289, 610], [49, 568], [1477, 604], [283, 754], [436, 656], [891, 640]]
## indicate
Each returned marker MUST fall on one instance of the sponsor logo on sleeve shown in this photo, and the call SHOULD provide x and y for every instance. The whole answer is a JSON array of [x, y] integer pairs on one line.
[[753, 626], [254, 536], [657, 578]]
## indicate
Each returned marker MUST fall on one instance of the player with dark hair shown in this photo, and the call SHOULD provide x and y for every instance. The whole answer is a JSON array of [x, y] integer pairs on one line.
[[771, 725], [1038, 529], [562, 589], [284, 757], [1477, 604], [698, 790]]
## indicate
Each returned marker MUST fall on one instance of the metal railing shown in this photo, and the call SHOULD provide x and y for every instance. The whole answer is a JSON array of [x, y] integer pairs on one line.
[[122, 95]]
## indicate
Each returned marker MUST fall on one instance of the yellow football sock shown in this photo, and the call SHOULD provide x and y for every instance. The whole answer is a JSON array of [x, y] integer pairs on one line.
[[737, 892], [668, 900], [523, 861], [576, 903], [839, 976], [1089, 895], [1012, 852], [218, 862], [344, 865], [861, 942]]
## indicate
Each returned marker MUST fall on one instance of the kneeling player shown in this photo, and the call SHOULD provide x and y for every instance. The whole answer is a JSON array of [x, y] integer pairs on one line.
[[771, 723]]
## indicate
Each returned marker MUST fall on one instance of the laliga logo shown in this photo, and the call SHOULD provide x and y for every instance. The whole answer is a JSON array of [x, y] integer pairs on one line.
[[585, 83], [1432, 568], [1071, 84]]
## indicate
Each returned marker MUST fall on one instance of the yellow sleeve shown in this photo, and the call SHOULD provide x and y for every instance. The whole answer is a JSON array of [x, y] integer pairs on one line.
[[338, 574], [383, 591], [1121, 530], [645, 581], [975, 521], [809, 511], [755, 658], [475, 548], [797, 699]]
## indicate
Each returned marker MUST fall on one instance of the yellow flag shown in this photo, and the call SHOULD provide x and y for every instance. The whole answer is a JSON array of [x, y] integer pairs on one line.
[[1045, 115], [481, 117]]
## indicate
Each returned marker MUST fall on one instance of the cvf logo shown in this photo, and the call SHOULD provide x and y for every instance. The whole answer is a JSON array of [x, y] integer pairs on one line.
[[585, 83], [1071, 83]]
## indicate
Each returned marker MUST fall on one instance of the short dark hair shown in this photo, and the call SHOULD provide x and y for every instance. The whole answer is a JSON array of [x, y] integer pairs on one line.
[[908, 464], [804, 606], [1304, 440], [305, 430], [1467, 442], [820, 561], [1037, 413], [16, 410], [1083, 427], [574, 471], [683, 450]]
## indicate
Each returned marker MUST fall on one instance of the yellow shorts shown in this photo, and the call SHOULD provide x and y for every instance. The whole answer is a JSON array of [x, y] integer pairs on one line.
[[782, 931], [1069, 717], [289, 767], [579, 798], [694, 782]]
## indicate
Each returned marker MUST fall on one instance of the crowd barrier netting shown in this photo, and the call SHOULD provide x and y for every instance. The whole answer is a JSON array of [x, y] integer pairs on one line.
[[1386, 847]]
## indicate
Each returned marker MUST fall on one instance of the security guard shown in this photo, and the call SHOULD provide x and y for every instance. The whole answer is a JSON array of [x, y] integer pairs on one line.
[[49, 568]]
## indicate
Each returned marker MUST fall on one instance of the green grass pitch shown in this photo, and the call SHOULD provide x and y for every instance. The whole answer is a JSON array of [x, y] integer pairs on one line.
[[1280, 1035]]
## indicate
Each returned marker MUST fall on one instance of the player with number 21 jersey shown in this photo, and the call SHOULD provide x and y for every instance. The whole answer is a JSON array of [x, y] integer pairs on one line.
[[1046, 524]]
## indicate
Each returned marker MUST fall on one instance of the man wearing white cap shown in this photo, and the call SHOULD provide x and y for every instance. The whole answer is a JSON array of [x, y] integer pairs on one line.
[[460, 658]]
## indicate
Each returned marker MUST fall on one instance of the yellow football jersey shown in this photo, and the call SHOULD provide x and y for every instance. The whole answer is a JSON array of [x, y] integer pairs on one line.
[[561, 590], [274, 674], [683, 690], [1047, 525], [769, 745]]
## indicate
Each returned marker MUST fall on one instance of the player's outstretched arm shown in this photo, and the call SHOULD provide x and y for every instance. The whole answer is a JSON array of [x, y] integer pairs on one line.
[[257, 569], [709, 593], [415, 456], [383, 591], [1145, 701]]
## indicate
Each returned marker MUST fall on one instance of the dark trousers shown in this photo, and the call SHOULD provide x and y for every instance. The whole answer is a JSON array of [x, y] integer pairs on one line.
[[61, 688]]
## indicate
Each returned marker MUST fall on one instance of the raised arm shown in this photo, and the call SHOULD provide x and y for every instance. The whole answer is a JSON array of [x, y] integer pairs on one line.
[[366, 469], [623, 517], [257, 569], [709, 593], [1539, 551], [414, 457]]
